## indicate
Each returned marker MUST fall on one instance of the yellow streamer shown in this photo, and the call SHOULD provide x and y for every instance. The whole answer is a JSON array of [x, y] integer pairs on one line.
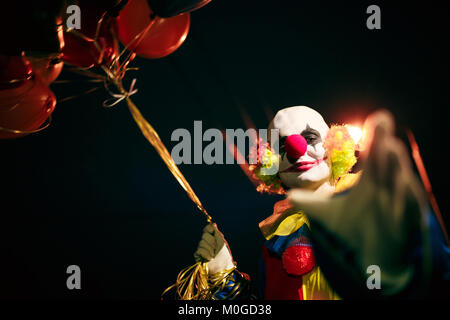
[[194, 283], [152, 136]]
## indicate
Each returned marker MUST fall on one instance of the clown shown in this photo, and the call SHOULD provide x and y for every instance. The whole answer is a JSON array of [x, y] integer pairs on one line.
[[313, 167]]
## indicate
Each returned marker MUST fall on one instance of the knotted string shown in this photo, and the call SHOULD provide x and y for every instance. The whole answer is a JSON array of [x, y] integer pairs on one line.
[[118, 97]]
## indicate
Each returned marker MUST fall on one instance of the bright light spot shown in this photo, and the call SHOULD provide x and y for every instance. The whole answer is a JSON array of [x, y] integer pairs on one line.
[[355, 132]]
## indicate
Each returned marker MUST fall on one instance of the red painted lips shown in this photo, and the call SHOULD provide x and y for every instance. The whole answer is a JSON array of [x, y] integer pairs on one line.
[[303, 166]]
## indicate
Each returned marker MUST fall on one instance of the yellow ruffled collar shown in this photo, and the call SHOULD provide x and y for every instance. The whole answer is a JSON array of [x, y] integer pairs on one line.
[[286, 220]]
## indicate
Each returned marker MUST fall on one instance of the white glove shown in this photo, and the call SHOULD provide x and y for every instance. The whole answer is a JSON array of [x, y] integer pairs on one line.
[[214, 249]]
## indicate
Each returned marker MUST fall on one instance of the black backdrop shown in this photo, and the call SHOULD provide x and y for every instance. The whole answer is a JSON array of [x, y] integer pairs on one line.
[[91, 191]]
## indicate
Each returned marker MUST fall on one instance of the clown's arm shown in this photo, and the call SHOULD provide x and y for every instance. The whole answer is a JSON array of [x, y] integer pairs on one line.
[[384, 223], [214, 250]]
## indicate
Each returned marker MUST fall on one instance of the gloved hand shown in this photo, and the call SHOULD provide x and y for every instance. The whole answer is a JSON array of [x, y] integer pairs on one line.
[[375, 222], [214, 249]]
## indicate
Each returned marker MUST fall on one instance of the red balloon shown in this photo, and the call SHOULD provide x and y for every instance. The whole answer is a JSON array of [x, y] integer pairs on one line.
[[25, 108], [46, 69], [14, 71], [81, 51], [164, 36]]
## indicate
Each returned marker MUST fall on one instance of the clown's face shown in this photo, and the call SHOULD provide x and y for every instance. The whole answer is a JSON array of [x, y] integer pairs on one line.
[[303, 158]]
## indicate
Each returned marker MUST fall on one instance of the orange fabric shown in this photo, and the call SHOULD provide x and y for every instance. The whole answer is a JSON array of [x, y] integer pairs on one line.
[[281, 210]]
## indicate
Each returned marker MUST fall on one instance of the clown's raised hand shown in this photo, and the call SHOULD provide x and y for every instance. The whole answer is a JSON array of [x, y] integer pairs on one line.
[[214, 249], [380, 221]]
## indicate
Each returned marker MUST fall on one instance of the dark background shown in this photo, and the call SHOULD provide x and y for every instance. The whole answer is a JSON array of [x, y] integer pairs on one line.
[[91, 191]]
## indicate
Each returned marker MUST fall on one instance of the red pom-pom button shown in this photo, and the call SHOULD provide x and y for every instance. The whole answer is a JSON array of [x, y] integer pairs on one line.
[[298, 260]]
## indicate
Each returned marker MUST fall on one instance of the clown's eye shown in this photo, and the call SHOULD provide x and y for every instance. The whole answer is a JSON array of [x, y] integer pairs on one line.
[[311, 136]]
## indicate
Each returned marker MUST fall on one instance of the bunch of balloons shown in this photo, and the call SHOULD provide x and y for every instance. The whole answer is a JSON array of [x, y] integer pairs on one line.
[[26, 101], [149, 28]]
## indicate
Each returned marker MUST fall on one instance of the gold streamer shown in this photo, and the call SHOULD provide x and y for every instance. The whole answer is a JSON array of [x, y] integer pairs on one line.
[[152, 136], [194, 283], [222, 279], [115, 73]]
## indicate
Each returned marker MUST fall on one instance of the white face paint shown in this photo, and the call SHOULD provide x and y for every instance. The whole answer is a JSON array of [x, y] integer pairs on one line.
[[311, 169]]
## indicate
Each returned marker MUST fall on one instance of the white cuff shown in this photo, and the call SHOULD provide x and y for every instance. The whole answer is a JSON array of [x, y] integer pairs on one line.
[[222, 261]]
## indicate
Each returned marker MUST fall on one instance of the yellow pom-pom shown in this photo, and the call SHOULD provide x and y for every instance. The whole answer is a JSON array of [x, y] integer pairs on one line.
[[341, 150], [270, 183]]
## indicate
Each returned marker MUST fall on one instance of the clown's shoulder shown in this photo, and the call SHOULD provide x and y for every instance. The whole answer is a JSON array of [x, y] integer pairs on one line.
[[288, 267]]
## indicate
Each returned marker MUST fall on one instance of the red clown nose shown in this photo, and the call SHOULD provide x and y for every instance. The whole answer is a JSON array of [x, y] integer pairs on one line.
[[295, 146]]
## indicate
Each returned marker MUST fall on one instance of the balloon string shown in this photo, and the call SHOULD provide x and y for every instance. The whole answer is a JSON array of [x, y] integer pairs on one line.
[[114, 73], [120, 97], [45, 126], [152, 136], [99, 25], [78, 95], [71, 81], [87, 73], [426, 181], [137, 38], [130, 56]]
